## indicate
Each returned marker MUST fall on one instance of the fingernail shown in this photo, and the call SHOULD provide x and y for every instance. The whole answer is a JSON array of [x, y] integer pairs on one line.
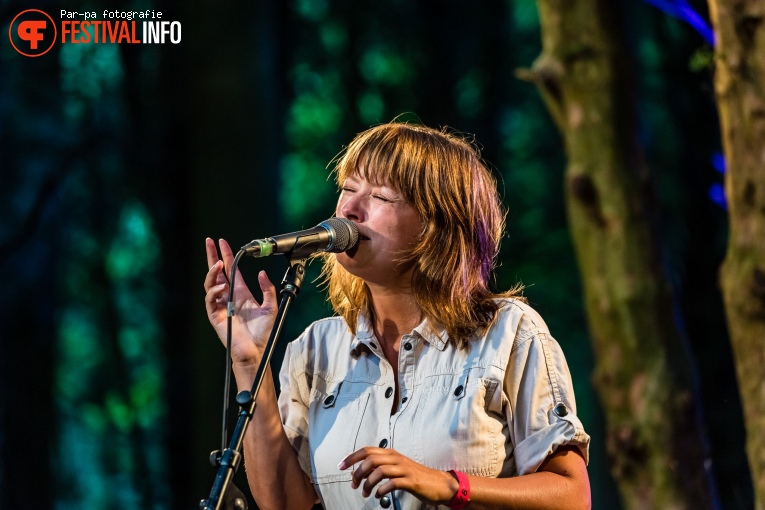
[[342, 465]]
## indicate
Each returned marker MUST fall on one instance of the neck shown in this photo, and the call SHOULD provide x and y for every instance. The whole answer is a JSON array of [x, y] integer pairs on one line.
[[395, 313]]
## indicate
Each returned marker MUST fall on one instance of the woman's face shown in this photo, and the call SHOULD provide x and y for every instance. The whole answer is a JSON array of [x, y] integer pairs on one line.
[[388, 227]]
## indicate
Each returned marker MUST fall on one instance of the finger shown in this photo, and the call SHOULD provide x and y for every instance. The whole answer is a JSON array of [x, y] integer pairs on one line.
[[228, 256], [355, 457], [373, 461], [377, 467], [378, 475], [214, 294], [389, 486], [226, 253], [211, 279], [268, 290], [212, 252]]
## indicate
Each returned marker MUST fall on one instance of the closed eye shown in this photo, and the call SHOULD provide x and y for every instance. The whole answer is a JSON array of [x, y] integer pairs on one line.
[[384, 199]]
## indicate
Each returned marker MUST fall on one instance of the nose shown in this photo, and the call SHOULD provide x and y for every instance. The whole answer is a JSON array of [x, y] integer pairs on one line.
[[351, 207]]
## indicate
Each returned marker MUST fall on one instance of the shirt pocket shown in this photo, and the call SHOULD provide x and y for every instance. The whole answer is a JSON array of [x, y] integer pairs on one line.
[[456, 429], [335, 417]]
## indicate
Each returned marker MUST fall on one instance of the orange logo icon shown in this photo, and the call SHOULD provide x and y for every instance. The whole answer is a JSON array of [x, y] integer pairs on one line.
[[32, 33]]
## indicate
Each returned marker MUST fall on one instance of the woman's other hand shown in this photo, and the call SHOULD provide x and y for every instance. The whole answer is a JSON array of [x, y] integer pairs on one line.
[[397, 472]]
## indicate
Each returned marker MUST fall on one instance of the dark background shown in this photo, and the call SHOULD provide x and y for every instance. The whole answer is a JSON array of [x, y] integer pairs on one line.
[[116, 161]]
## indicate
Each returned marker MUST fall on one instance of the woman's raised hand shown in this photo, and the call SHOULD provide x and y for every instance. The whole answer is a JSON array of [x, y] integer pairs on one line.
[[252, 321]]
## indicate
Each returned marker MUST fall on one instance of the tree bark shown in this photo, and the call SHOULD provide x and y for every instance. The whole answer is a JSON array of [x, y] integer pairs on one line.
[[740, 88], [654, 440]]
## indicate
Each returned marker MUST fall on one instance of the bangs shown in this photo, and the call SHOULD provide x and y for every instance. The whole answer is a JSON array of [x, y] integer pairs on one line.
[[387, 155]]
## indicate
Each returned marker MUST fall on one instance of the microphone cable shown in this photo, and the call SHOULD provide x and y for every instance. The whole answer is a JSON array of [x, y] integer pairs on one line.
[[229, 322]]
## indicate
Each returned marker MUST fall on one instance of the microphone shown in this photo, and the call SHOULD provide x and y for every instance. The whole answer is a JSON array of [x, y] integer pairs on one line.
[[334, 235]]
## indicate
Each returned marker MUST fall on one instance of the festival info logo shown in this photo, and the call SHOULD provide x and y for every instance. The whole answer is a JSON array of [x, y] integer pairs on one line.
[[32, 33]]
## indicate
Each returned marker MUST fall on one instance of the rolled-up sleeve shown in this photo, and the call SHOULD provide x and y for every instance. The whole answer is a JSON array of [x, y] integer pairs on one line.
[[293, 406], [542, 410]]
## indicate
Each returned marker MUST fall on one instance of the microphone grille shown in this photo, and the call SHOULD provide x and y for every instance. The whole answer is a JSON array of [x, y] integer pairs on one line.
[[346, 234]]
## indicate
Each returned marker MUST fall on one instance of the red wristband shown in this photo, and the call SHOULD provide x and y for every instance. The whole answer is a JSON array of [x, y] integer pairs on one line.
[[462, 498]]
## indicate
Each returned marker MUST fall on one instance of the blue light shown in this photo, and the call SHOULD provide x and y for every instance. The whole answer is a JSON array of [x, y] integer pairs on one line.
[[718, 161], [717, 194], [682, 10]]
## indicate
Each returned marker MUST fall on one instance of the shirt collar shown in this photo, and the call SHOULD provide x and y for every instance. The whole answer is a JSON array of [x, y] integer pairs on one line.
[[436, 336]]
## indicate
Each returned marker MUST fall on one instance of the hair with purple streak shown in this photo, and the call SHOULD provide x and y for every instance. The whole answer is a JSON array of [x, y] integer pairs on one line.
[[443, 177]]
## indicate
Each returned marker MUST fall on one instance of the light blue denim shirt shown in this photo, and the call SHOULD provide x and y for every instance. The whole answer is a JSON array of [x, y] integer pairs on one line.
[[496, 409]]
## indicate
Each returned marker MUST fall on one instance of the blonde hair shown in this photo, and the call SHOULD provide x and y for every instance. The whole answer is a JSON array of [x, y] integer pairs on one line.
[[463, 221]]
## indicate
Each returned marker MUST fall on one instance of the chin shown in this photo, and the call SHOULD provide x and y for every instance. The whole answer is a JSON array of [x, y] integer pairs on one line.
[[345, 260], [349, 264], [348, 257]]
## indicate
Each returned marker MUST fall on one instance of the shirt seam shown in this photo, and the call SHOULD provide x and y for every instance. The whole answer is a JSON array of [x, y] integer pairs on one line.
[[551, 376]]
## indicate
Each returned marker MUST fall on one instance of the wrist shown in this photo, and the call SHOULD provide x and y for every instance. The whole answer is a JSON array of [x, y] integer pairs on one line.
[[244, 374], [461, 496], [452, 486]]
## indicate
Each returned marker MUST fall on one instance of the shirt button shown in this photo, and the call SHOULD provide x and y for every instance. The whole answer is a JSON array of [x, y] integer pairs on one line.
[[458, 391], [408, 346], [388, 392], [329, 400], [561, 410], [403, 400], [374, 346], [384, 443], [385, 501]]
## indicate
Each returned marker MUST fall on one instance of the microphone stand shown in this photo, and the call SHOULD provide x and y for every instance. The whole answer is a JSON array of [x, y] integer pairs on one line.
[[229, 459]]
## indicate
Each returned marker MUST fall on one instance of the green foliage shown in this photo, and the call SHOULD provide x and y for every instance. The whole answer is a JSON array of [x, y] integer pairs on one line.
[[334, 37], [371, 107], [702, 60], [382, 64], [470, 93], [305, 188], [88, 72], [110, 375], [79, 353]]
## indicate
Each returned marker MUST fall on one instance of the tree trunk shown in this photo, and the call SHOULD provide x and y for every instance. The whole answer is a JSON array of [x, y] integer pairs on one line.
[[740, 90], [654, 440]]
